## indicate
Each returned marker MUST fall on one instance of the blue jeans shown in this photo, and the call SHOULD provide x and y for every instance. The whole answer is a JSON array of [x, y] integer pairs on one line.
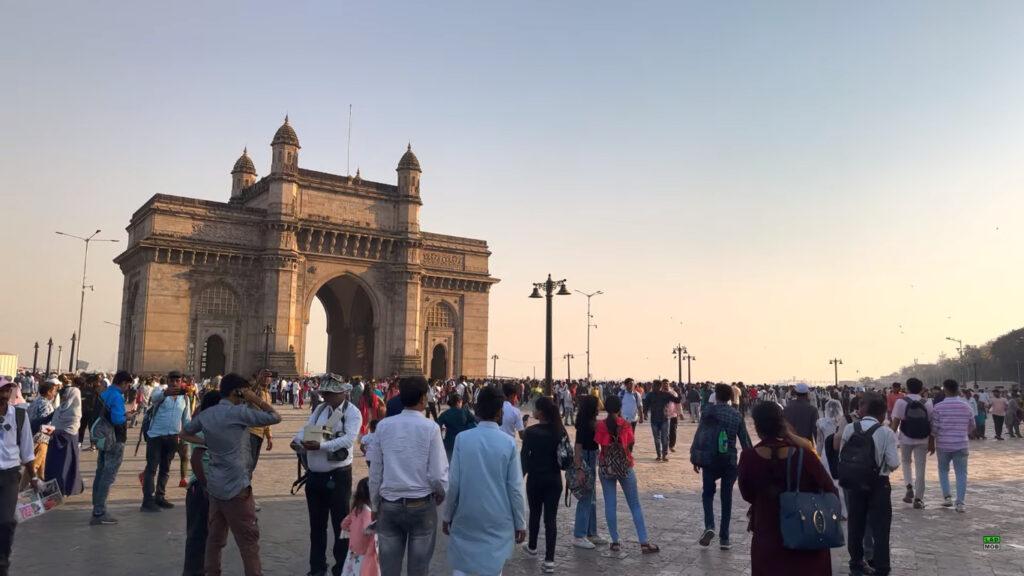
[[108, 462], [959, 459], [727, 474], [406, 528], [586, 507], [632, 500], [660, 431]]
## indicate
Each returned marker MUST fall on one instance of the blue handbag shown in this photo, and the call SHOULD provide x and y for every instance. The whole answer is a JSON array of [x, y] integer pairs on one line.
[[808, 520]]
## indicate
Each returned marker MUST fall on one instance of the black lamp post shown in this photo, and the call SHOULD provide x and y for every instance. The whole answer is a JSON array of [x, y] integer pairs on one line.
[[678, 351], [267, 331], [568, 367], [71, 361], [835, 362], [494, 371], [49, 352], [549, 287], [35, 358]]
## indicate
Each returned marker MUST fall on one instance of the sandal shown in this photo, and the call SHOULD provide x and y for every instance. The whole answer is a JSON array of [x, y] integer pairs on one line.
[[615, 547], [649, 548]]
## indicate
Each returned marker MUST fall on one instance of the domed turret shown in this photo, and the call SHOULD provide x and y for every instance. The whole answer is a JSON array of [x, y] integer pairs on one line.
[[243, 174], [409, 160], [285, 146]]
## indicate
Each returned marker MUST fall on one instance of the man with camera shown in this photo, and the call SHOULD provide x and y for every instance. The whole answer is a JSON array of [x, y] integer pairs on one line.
[[327, 443], [169, 412]]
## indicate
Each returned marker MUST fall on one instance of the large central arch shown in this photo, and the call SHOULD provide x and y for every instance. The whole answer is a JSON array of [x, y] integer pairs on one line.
[[352, 325]]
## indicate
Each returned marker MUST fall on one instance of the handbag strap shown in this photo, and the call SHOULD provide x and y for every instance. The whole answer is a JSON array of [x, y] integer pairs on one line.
[[799, 470]]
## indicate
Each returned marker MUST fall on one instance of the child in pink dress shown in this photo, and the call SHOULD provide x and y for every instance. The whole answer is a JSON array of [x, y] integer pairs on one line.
[[362, 543]]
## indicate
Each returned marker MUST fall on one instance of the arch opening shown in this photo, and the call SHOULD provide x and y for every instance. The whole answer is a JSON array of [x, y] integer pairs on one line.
[[214, 358], [348, 321], [439, 363]]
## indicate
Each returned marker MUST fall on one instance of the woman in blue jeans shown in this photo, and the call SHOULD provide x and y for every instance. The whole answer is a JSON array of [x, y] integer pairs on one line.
[[585, 530], [614, 435]]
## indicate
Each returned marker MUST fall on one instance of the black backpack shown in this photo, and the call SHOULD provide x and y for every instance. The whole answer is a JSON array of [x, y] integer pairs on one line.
[[857, 467], [711, 444], [915, 422]]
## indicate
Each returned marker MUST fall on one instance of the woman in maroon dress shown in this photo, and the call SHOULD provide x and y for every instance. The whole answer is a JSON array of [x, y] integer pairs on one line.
[[762, 477]]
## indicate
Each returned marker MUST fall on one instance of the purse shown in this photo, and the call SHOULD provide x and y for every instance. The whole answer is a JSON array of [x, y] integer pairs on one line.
[[808, 520]]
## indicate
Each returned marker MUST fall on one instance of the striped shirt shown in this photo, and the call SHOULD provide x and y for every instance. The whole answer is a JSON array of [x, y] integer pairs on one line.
[[952, 421]]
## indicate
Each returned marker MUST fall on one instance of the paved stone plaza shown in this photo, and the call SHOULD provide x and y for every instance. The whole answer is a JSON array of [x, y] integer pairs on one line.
[[935, 541]]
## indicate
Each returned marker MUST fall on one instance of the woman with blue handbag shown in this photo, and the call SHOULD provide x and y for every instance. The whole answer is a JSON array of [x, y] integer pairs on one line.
[[763, 472]]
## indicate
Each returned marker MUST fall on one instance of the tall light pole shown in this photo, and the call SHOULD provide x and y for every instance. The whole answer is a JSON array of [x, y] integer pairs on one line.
[[689, 358], [71, 362], [835, 362], [678, 352], [35, 359], [494, 369], [549, 287], [85, 263], [568, 367], [267, 331], [960, 351], [590, 324]]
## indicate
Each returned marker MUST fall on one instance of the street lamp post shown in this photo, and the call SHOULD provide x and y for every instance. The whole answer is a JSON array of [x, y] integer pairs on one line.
[[85, 263], [267, 331], [71, 362], [494, 369], [49, 352], [678, 352], [960, 351], [590, 324], [835, 362], [35, 359], [568, 367], [549, 287], [689, 358]]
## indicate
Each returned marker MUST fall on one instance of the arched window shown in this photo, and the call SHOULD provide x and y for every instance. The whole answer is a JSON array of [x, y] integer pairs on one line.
[[217, 300], [440, 316]]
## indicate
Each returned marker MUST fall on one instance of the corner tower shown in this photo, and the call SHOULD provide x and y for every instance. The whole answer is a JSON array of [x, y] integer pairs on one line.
[[285, 147], [409, 191], [243, 174]]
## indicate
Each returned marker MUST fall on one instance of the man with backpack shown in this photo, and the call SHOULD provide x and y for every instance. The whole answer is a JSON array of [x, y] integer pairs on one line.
[[866, 457], [111, 449], [632, 407], [713, 452], [161, 425], [911, 416]]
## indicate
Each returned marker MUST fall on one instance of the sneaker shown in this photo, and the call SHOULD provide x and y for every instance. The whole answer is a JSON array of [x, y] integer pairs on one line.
[[183, 483], [664, 458], [918, 504], [548, 567], [528, 550], [909, 497], [672, 450], [597, 540], [705, 539], [960, 507], [149, 507], [105, 520], [583, 543], [724, 545], [163, 503], [947, 502]]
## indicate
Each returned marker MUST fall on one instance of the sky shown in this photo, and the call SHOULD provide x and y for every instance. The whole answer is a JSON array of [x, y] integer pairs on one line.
[[772, 185]]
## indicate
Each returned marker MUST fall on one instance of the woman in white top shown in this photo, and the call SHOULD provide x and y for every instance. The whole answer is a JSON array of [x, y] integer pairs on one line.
[[833, 422]]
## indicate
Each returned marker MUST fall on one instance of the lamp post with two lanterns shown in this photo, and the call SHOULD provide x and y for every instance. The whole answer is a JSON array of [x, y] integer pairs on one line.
[[549, 286]]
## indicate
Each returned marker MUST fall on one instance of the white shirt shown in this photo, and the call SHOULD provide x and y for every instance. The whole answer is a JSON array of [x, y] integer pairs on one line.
[[511, 420], [899, 410], [408, 458], [886, 456], [10, 455], [348, 427]]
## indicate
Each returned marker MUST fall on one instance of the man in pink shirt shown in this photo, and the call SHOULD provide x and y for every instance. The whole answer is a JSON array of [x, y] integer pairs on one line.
[[997, 407]]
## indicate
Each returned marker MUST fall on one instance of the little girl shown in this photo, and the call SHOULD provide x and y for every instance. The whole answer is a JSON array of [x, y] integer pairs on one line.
[[362, 543]]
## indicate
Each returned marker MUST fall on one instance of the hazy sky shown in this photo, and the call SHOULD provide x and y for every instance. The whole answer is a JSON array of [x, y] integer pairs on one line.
[[769, 183]]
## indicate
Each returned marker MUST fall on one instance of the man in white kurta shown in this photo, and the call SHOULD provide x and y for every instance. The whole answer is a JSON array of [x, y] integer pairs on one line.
[[484, 514]]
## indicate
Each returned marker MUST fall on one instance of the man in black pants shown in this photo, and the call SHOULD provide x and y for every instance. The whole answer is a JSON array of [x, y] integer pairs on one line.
[[328, 441], [171, 412]]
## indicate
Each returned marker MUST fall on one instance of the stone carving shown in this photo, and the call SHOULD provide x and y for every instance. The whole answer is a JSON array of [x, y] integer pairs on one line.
[[444, 260], [221, 233]]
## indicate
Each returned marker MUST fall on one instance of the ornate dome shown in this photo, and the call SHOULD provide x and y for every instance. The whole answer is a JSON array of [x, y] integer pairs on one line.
[[409, 161], [244, 164], [285, 135]]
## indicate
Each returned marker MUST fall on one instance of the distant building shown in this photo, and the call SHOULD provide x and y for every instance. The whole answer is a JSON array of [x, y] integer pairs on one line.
[[211, 287]]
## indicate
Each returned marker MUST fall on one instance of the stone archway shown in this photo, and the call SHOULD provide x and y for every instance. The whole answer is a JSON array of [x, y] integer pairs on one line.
[[439, 363], [351, 326], [214, 359]]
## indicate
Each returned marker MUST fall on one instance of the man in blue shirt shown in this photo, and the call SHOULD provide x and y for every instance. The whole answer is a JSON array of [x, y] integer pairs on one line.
[[108, 460], [170, 413]]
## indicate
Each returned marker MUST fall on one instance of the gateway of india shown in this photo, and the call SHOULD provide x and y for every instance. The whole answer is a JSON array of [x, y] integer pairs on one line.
[[217, 287]]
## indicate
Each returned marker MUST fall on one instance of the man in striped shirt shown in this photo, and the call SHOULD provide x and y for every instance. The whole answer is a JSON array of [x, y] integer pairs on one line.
[[952, 423]]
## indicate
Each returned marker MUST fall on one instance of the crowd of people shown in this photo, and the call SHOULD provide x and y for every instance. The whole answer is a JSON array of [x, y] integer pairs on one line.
[[490, 475]]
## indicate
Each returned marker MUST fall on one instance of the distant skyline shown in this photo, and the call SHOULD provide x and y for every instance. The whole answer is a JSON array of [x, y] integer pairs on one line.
[[770, 184]]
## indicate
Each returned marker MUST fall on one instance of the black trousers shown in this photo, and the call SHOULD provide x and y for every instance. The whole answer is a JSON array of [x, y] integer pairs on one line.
[[9, 481], [870, 508], [542, 493], [197, 514], [160, 450], [673, 423], [327, 497], [431, 410], [998, 421], [255, 447]]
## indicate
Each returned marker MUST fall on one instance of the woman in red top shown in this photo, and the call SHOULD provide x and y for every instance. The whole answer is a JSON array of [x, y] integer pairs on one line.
[[762, 477], [614, 436]]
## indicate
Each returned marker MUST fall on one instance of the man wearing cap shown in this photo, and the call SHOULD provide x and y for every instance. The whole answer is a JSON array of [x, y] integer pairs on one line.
[[16, 457], [170, 414], [801, 414], [329, 460], [108, 460]]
